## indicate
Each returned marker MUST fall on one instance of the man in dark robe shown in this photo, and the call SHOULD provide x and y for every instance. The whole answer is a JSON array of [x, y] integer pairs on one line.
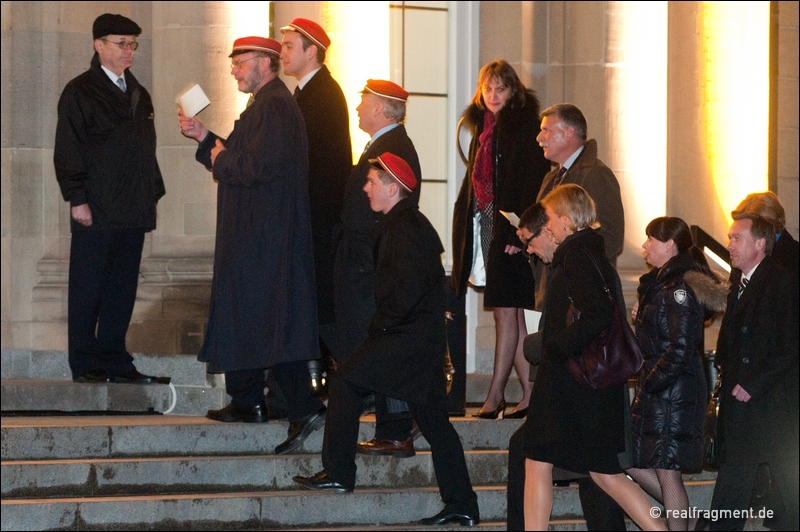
[[263, 305]]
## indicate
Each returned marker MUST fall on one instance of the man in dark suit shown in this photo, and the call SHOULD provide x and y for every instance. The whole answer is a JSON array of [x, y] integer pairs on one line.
[[330, 158], [563, 138], [786, 252], [380, 114], [757, 352], [402, 356]]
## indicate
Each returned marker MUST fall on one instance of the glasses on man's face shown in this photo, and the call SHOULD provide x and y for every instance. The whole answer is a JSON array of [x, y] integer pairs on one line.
[[237, 64], [528, 241], [124, 45]]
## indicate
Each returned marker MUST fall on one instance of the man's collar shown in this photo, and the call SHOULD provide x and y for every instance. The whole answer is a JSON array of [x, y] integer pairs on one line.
[[305, 79], [569, 162], [382, 131], [113, 77]]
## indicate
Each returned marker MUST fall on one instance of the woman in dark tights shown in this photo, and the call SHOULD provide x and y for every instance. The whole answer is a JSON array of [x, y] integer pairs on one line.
[[675, 299]]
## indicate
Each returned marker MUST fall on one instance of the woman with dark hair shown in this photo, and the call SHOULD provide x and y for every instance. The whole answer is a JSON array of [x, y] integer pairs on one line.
[[505, 170], [675, 299], [571, 425]]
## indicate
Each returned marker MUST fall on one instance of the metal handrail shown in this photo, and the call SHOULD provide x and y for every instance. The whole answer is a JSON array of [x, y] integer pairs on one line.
[[703, 239]]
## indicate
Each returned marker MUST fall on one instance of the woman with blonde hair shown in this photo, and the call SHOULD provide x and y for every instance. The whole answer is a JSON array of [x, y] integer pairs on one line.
[[504, 173], [571, 425]]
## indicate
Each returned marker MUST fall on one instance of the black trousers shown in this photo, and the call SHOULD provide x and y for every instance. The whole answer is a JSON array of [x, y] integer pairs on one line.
[[246, 388], [734, 489], [103, 278], [599, 509], [341, 436], [393, 418]]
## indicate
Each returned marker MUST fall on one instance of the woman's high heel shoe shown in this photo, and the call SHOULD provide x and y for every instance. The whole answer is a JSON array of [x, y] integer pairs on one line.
[[518, 414], [498, 413]]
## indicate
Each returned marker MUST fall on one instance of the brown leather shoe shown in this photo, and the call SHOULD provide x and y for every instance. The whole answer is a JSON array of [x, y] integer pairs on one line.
[[399, 449]]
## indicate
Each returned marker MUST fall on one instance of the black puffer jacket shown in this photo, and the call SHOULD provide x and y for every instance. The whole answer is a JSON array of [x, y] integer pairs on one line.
[[671, 393]]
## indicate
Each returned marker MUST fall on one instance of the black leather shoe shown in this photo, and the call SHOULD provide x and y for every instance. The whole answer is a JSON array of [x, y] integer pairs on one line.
[[445, 517], [300, 430], [133, 377], [322, 482], [378, 446], [233, 414], [97, 377]]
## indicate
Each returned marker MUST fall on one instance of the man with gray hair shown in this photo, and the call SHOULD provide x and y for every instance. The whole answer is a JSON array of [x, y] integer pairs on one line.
[[105, 163], [381, 114]]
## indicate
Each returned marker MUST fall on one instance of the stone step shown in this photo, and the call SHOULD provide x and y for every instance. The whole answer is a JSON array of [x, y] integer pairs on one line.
[[221, 474], [104, 437], [274, 509], [42, 394], [218, 474], [38, 380]]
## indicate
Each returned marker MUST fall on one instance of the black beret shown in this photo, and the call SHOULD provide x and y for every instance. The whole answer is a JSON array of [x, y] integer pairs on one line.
[[108, 24]]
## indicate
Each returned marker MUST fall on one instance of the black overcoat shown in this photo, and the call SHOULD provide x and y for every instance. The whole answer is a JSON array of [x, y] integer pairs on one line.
[[758, 349], [263, 306], [330, 160], [105, 151], [354, 273], [668, 412], [571, 425], [519, 167], [404, 353]]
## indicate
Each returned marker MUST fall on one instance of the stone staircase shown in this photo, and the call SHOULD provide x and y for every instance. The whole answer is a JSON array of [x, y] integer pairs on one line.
[[186, 472], [178, 471]]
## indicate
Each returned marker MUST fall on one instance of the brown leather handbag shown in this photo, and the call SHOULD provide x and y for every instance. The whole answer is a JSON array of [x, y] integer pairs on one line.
[[613, 356]]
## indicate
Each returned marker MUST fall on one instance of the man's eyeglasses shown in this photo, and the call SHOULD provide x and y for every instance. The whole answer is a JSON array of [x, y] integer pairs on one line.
[[527, 241], [237, 64], [124, 45]]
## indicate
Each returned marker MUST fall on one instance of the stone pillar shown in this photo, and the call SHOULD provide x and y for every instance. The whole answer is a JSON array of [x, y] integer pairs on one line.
[[788, 115], [685, 132]]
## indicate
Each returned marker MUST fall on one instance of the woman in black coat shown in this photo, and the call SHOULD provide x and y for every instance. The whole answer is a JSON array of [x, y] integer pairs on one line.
[[570, 425], [505, 171], [675, 299]]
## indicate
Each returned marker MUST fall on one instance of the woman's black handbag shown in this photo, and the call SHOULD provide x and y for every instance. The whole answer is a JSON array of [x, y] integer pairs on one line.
[[613, 356], [711, 459]]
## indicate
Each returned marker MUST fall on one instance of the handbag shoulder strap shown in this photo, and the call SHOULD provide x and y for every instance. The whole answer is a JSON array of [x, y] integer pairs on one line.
[[602, 279]]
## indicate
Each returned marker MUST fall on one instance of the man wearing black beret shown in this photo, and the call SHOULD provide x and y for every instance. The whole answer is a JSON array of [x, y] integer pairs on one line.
[[105, 163]]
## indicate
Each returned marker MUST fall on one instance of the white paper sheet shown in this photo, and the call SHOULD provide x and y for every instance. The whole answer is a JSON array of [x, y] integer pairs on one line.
[[192, 100], [511, 217]]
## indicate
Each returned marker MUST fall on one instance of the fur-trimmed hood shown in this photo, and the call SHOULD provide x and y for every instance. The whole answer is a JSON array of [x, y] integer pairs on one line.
[[711, 294], [473, 115]]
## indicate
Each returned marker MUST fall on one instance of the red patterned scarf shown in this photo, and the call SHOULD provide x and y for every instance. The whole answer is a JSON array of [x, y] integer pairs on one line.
[[482, 171]]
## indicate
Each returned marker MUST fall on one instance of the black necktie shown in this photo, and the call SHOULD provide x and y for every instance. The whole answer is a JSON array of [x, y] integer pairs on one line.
[[297, 91], [742, 286], [560, 176]]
